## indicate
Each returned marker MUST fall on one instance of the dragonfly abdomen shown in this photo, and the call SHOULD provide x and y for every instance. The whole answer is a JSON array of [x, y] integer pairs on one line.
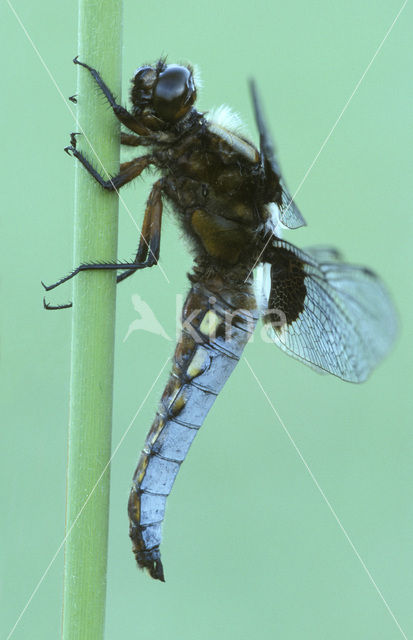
[[213, 337]]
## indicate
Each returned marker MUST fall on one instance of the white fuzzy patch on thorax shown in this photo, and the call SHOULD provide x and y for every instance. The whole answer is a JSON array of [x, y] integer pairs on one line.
[[225, 117], [226, 124]]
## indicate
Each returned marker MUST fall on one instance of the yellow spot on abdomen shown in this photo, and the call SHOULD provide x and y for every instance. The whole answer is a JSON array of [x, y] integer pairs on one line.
[[156, 429], [199, 362], [141, 469], [178, 405], [210, 323], [134, 507]]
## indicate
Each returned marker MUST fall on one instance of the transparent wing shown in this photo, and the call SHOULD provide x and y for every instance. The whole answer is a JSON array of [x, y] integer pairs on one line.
[[290, 215], [322, 253], [333, 316]]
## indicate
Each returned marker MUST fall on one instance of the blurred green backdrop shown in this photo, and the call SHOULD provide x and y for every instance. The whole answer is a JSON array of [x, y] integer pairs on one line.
[[250, 546]]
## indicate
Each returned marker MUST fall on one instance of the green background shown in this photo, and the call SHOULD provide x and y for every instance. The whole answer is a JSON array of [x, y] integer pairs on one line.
[[250, 546]]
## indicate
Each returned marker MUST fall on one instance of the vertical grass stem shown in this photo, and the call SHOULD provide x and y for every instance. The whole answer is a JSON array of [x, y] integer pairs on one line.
[[94, 295]]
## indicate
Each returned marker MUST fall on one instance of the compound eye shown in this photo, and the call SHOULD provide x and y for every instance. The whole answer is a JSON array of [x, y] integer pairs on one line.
[[144, 77], [174, 93]]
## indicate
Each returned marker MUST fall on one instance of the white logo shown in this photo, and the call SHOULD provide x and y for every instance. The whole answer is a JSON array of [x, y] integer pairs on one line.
[[147, 321]]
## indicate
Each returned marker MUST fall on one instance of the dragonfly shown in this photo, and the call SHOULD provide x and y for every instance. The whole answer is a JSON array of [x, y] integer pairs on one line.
[[232, 203]]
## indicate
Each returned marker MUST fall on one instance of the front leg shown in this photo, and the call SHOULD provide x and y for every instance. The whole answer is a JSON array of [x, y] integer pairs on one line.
[[128, 170], [120, 112]]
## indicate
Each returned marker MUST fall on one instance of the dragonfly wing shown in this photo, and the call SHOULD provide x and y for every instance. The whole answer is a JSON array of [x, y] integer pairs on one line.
[[333, 316], [290, 215]]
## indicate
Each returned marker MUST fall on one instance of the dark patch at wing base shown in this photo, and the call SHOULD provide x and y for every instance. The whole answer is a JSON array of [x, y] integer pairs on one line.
[[288, 290], [338, 317]]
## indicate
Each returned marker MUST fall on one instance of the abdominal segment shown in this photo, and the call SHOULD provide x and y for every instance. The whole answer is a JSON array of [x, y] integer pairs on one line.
[[214, 334]]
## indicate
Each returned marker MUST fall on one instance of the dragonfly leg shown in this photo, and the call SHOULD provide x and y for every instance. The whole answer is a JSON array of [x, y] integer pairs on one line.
[[96, 266], [130, 140], [148, 250], [120, 112], [56, 307], [150, 240], [127, 172]]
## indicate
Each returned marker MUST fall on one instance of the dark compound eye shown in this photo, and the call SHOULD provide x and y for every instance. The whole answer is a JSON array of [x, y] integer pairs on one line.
[[144, 76], [174, 93], [142, 84]]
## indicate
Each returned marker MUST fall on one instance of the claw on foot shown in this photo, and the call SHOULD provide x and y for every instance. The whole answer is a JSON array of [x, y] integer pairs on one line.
[[58, 307], [73, 142], [82, 64]]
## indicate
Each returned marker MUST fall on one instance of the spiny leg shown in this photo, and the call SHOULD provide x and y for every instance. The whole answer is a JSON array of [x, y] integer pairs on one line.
[[95, 266], [120, 112], [150, 240], [127, 172], [148, 250], [56, 307]]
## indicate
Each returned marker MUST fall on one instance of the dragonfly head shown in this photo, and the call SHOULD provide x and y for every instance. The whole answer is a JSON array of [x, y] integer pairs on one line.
[[162, 95]]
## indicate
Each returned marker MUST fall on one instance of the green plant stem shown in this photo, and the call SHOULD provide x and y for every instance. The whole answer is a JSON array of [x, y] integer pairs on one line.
[[94, 296]]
